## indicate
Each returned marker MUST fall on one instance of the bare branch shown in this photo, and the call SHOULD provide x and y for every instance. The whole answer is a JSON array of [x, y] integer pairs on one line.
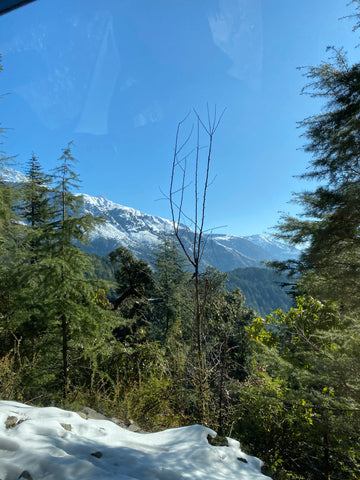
[[199, 242]]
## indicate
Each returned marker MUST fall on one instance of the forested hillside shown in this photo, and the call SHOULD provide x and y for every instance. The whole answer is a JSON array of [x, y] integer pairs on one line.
[[262, 289]]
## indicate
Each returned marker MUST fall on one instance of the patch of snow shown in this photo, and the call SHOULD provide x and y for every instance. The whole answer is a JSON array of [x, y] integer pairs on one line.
[[54, 444]]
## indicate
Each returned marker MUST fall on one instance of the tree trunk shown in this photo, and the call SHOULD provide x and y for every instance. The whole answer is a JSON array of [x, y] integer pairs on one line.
[[64, 330]]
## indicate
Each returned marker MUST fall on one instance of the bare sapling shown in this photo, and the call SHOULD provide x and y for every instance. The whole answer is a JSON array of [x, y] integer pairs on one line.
[[191, 155]]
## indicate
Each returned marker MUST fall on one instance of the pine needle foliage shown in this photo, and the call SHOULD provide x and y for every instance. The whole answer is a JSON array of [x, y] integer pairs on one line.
[[328, 228], [68, 296]]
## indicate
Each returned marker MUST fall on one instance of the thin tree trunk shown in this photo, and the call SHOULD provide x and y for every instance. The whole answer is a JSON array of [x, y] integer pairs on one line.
[[64, 330], [64, 323], [201, 373], [179, 165]]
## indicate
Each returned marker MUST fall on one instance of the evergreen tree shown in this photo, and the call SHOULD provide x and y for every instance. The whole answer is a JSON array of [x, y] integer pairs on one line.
[[171, 288], [36, 211], [69, 296], [35, 207], [300, 405], [329, 226], [306, 380], [10, 231], [134, 287]]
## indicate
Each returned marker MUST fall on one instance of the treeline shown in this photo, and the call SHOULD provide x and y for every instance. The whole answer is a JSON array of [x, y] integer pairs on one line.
[[264, 290]]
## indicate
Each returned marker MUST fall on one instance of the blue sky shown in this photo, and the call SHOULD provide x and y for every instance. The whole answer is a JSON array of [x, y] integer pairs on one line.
[[117, 76]]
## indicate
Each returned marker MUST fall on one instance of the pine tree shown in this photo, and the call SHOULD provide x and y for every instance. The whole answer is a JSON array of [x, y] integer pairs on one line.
[[69, 295], [310, 368], [36, 207], [36, 200], [36, 211], [171, 290], [329, 225], [134, 287], [10, 232]]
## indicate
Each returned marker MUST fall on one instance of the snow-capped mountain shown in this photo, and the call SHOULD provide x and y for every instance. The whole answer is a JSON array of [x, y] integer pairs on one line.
[[124, 226], [141, 233], [9, 175]]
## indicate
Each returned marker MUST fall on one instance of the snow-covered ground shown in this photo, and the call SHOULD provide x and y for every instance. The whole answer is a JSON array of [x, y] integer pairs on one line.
[[53, 444]]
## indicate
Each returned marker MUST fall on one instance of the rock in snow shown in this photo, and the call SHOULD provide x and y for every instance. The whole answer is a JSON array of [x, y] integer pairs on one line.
[[40, 447]]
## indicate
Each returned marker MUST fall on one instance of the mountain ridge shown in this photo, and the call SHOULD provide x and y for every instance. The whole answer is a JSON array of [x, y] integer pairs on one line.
[[141, 233]]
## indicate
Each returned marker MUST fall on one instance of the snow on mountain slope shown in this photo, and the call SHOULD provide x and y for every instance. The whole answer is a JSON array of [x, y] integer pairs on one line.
[[124, 226], [142, 233], [279, 250], [10, 175], [242, 244], [126, 219]]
